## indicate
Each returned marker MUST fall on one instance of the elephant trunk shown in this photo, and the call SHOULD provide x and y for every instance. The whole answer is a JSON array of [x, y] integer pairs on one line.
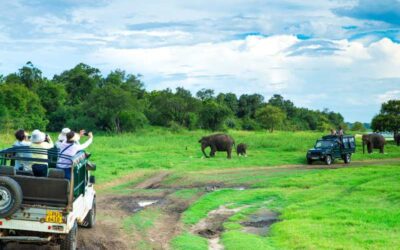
[[202, 150]]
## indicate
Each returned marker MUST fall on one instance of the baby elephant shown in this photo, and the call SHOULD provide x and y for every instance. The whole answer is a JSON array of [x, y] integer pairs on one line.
[[241, 149]]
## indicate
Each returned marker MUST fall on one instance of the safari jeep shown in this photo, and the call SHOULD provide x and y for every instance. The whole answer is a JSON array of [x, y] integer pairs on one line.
[[42, 210], [332, 147]]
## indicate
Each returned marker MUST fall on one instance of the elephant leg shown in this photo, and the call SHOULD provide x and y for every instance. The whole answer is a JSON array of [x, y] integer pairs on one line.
[[369, 148], [382, 150], [229, 152], [213, 150], [204, 152]]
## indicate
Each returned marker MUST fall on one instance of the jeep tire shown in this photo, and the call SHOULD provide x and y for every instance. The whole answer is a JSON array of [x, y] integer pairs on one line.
[[10, 196], [328, 160], [309, 161], [71, 240], [90, 219], [347, 158]]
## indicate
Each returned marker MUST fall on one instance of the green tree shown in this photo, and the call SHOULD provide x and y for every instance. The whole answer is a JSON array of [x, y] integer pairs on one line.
[[389, 117], [28, 75], [270, 117], [358, 126], [114, 109], [212, 115], [22, 107], [248, 105], [230, 100], [205, 94], [285, 105], [79, 82], [126, 81]]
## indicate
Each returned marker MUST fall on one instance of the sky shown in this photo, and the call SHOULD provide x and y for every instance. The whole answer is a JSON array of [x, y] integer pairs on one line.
[[335, 54]]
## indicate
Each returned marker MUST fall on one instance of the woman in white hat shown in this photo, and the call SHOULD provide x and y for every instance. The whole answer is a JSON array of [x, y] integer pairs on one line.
[[69, 148], [41, 141], [62, 137]]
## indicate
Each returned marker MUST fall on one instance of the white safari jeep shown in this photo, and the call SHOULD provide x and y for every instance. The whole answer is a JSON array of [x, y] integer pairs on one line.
[[42, 210]]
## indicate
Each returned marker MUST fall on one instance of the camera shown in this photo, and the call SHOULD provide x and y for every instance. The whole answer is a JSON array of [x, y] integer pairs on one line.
[[85, 133]]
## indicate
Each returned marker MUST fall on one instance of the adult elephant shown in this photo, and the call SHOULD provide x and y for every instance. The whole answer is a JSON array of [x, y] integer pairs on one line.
[[396, 138], [372, 141], [217, 142]]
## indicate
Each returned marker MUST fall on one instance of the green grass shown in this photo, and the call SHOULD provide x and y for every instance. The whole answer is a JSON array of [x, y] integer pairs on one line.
[[348, 208], [141, 221], [158, 148], [352, 208], [189, 241]]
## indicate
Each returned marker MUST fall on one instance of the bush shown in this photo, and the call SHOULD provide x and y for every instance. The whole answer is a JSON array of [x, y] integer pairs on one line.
[[250, 124], [232, 123], [174, 127], [81, 122], [132, 120]]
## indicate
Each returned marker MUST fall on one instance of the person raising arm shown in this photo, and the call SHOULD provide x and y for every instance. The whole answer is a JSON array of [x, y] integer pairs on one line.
[[70, 148]]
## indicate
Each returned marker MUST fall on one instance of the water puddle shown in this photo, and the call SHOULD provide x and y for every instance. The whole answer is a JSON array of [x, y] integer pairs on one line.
[[260, 222], [145, 203]]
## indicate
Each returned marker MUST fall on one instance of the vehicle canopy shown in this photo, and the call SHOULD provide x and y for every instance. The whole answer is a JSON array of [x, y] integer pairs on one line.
[[53, 190], [328, 141]]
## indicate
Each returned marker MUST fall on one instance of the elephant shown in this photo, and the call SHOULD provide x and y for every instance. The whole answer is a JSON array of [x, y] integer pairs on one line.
[[241, 149], [372, 141], [217, 142], [396, 138]]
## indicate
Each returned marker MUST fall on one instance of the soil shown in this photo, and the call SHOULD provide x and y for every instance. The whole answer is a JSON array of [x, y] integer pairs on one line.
[[212, 226]]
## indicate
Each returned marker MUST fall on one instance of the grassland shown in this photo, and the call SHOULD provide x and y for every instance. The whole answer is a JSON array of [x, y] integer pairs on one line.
[[157, 148], [353, 207], [319, 209]]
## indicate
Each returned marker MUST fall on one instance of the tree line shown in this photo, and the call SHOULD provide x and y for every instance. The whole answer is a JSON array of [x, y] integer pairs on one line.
[[82, 97], [388, 118]]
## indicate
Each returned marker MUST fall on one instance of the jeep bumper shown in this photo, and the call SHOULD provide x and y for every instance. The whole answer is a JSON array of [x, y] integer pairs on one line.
[[25, 239]]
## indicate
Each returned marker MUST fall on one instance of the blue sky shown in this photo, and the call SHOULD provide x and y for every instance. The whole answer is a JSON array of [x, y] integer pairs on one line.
[[335, 54]]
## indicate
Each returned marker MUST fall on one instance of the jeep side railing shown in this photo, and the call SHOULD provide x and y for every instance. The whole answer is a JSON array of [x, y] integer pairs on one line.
[[78, 163]]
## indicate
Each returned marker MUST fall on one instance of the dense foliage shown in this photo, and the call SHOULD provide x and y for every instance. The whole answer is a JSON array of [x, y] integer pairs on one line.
[[389, 117], [82, 97]]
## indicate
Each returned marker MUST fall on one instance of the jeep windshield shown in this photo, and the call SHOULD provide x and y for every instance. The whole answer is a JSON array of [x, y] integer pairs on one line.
[[323, 144]]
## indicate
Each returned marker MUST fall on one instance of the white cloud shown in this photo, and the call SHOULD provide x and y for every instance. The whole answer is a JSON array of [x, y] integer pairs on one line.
[[389, 95], [206, 44]]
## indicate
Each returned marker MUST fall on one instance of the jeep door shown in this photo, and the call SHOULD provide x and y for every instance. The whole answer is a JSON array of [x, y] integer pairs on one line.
[[336, 152]]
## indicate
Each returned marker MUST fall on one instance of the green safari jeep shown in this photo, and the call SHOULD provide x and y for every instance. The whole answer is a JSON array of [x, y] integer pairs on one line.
[[332, 147]]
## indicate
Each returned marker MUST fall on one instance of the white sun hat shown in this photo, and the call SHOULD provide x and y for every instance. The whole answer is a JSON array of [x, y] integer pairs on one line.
[[37, 136], [63, 135]]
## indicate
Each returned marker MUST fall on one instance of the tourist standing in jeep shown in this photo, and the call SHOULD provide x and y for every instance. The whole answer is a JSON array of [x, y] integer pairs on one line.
[[69, 148]]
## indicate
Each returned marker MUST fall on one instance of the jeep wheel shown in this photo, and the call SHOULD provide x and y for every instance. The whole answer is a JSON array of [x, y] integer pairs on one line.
[[309, 161], [70, 241], [90, 219], [10, 196], [328, 160], [347, 158]]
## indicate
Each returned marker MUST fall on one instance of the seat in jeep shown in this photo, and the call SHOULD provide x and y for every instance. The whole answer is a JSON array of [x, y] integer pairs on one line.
[[50, 191]]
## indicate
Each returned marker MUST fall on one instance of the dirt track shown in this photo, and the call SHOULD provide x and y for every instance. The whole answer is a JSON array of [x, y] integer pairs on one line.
[[113, 209]]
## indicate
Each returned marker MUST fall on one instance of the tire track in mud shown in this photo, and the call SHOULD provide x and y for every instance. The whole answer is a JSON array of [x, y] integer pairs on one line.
[[120, 207]]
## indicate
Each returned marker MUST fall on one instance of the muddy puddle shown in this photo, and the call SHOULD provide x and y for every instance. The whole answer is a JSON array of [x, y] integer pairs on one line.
[[260, 222]]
